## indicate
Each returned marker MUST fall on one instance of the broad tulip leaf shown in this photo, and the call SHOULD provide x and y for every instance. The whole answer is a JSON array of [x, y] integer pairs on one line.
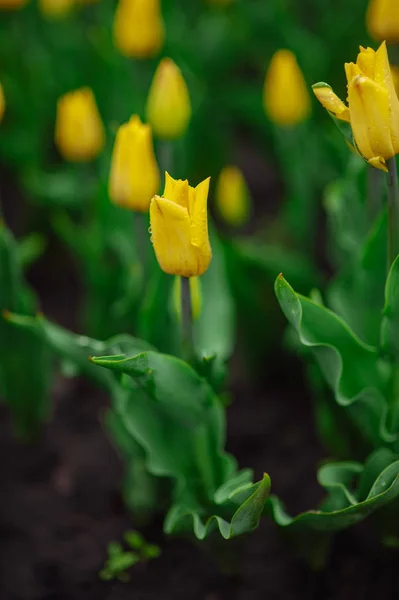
[[76, 349], [343, 507], [353, 369], [357, 293], [25, 366], [175, 417]]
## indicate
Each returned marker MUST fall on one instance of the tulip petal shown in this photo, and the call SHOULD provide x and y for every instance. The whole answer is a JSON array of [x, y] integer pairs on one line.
[[383, 76], [177, 190], [331, 102], [366, 61], [370, 117], [379, 163], [171, 237], [351, 71], [199, 216]]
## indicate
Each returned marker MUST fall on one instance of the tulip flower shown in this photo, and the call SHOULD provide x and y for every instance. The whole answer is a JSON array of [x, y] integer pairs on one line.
[[56, 9], [168, 103], [12, 4], [134, 177], [285, 96], [383, 20], [232, 196], [179, 228], [79, 132], [373, 106], [139, 30], [2, 102]]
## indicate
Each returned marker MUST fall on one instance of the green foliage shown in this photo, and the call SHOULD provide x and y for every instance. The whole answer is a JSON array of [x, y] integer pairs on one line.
[[166, 406], [25, 365], [120, 560]]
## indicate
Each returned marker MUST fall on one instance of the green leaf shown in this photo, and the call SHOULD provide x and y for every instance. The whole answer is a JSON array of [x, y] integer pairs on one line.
[[166, 406], [390, 321], [357, 293], [350, 510], [77, 349], [354, 371], [214, 331], [25, 366]]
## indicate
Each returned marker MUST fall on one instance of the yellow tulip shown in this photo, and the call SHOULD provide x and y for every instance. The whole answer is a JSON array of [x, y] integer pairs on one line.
[[56, 9], [383, 20], [12, 4], [179, 228], [139, 30], [395, 78], [168, 103], [2, 102], [232, 196], [79, 132], [285, 95], [373, 110], [134, 177]]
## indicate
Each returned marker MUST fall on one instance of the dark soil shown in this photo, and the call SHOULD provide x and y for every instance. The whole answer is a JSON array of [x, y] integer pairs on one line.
[[60, 501]]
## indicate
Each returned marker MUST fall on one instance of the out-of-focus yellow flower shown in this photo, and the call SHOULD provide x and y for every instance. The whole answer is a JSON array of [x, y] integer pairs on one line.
[[79, 132], [179, 228], [139, 30], [2, 102], [168, 103], [56, 9], [373, 110], [12, 4], [383, 20], [134, 177], [195, 296], [285, 95], [232, 196]]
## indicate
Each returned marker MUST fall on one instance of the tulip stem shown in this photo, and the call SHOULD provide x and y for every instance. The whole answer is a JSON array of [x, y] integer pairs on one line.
[[393, 211], [186, 318]]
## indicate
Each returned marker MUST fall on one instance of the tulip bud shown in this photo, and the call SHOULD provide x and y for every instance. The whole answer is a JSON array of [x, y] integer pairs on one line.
[[232, 196], [134, 177], [383, 20], [285, 96], [195, 297], [79, 132], [2, 102], [12, 4], [179, 228], [56, 9], [139, 30], [373, 110], [168, 103]]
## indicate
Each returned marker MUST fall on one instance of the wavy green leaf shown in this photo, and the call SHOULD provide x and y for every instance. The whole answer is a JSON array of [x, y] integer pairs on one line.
[[353, 369], [390, 321]]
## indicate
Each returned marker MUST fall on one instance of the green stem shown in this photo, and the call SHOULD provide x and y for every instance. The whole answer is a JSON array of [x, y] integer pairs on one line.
[[374, 194], [393, 211], [166, 156], [186, 319], [141, 235]]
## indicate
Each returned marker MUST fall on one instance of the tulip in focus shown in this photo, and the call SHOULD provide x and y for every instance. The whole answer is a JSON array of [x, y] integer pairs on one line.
[[56, 9], [168, 103], [79, 132], [134, 177], [2, 103], [139, 30], [232, 196], [179, 228], [383, 20], [373, 106], [285, 96], [12, 4]]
